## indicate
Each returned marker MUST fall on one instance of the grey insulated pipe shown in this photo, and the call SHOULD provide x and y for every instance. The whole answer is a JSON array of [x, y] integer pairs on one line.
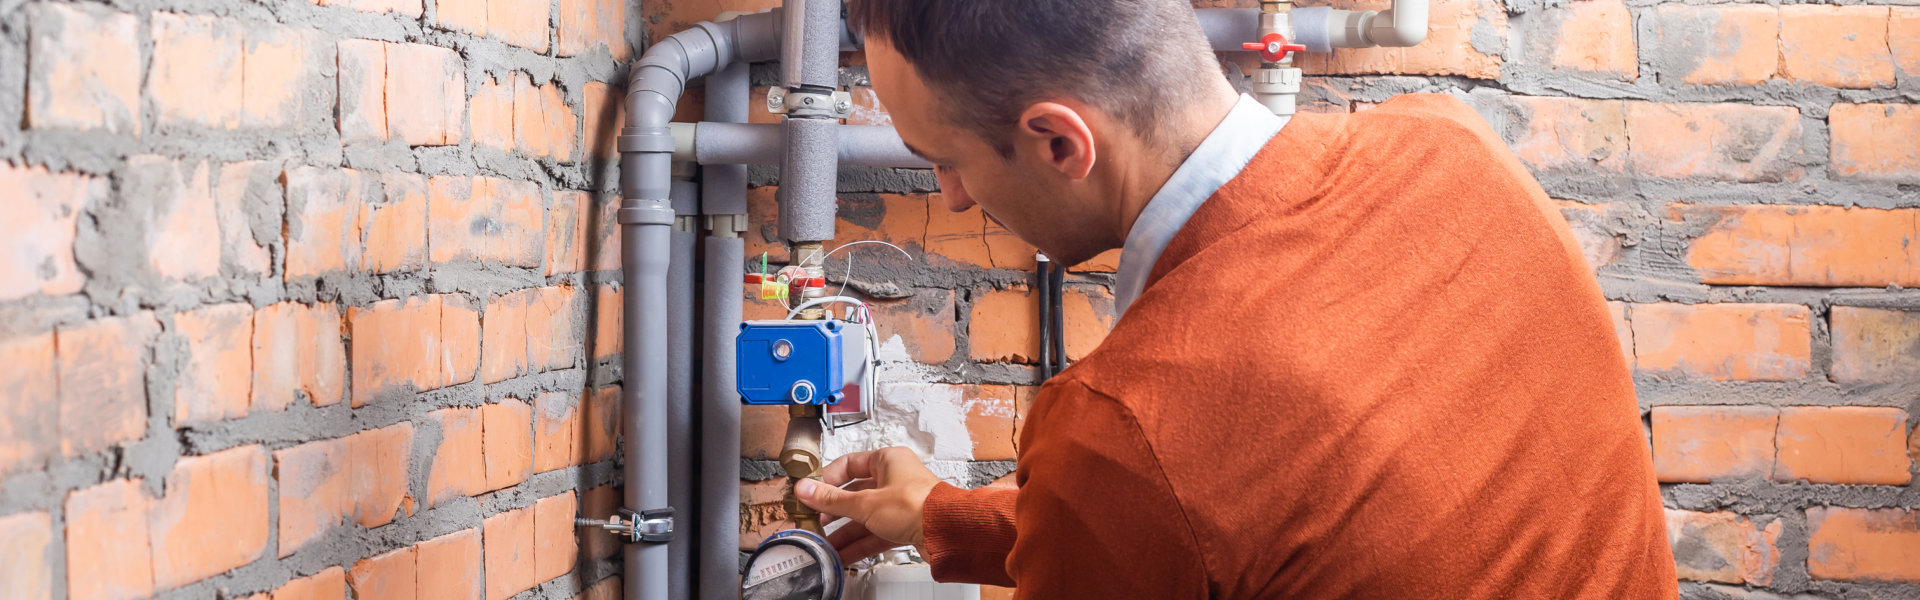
[[725, 144], [723, 192], [810, 61], [680, 375], [646, 217]]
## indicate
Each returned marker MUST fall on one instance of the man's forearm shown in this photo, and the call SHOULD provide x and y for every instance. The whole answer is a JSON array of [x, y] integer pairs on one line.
[[969, 534]]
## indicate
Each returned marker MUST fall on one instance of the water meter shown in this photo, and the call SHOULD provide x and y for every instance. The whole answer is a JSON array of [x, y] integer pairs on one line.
[[793, 565]]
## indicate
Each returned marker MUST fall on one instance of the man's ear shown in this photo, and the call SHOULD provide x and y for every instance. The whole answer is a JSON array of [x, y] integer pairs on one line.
[[1058, 135]]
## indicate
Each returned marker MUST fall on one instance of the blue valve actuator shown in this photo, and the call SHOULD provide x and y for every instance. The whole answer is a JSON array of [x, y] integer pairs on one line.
[[789, 362]]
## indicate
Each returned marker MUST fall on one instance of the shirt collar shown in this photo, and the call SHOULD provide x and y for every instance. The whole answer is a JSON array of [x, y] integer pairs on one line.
[[1218, 159]]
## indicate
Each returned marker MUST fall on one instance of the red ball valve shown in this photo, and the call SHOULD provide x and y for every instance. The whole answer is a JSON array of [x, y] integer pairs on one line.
[[1273, 47]]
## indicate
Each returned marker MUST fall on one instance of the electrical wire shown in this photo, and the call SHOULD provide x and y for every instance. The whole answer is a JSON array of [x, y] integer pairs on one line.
[[849, 276]]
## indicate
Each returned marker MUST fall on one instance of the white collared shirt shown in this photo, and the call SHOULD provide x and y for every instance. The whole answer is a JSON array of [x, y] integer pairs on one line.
[[1218, 159]]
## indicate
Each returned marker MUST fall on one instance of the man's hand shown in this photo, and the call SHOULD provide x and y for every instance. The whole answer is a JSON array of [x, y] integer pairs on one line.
[[887, 494]]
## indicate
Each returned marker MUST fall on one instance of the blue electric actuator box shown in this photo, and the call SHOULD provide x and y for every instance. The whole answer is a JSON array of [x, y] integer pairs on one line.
[[790, 362]]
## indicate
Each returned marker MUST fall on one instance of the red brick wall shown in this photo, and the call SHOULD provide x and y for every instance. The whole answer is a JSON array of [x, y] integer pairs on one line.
[[315, 297]]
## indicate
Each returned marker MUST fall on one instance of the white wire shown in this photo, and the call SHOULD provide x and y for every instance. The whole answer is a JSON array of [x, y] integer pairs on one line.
[[826, 300], [849, 275]]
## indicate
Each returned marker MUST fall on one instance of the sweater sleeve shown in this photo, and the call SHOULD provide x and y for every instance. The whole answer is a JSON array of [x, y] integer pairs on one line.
[[968, 534], [1097, 516]]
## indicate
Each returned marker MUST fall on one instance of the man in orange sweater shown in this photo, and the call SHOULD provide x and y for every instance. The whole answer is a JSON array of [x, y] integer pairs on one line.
[[1359, 356]]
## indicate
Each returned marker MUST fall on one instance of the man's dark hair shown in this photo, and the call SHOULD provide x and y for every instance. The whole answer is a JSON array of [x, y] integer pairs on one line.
[[990, 59]]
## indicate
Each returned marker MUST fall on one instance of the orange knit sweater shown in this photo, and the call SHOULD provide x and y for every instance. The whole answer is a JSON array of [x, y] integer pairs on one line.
[[1374, 365]]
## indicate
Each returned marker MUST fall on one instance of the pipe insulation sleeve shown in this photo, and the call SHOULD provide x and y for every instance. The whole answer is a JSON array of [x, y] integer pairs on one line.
[[820, 54], [720, 422], [685, 197], [760, 144], [808, 172], [725, 185], [1228, 28], [680, 437], [1311, 27]]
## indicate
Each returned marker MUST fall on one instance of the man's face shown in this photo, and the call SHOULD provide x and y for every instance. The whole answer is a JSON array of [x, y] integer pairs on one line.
[[1023, 193]]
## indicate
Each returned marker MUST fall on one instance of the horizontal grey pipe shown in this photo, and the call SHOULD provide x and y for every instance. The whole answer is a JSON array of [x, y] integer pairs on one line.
[[1228, 28], [761, 144]]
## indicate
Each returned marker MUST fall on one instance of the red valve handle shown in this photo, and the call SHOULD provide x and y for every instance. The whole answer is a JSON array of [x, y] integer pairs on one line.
[[1273, 47]]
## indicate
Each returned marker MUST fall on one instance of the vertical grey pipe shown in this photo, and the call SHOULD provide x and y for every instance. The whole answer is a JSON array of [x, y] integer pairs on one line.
[[723, 192], [680, 403], [807, 178]]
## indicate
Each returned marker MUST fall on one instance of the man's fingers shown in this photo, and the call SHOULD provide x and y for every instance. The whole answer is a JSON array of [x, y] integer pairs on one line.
[[864, 547], [858, 485], [829, 499], [858, 465], [847, 534]]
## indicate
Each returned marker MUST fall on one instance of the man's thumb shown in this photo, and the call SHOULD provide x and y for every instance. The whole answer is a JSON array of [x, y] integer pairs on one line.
[[823, 497]]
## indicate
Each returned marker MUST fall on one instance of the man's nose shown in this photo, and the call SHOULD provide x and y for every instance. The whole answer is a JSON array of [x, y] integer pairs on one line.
[[954, 192]]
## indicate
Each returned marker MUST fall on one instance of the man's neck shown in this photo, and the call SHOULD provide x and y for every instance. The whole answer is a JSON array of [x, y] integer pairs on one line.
[[1140, 175]]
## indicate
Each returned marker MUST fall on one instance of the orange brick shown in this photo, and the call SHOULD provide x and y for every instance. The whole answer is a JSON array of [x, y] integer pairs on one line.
[[396, 225], [567, 233], [1701, 444], [1723, 547], [761, 513], [324, 224], [231, 192], [1903, 38], [954, 237], [109, 556], [328, 584], [1105, 262], [1087, 317], [1007, 250], [83, 69], [763, 430], [1755, 342], [275, 71], [1839, 46], [103, 384], [527, 331], [1876, 141], [990, 415], [602, 426], [1596, 36], [598, 503], [543, 124], [213, 517], [459, 464], [1831, 246], [360, 478], [666, 18], [509, 552], [196, 73], [297, 355], [601, 105], [448, 567], [390, 576], [1588, 222], [1874, 346], [363, 90], [178, 246], [1843, 444], [425, 342], [485, 219], [1448, 50], [588, 25], [1004, 326], [491, 114], [215, 384], [507, 442], [26, 557], [607, 338], [426, 91], [607, 255], [556, 419], [1863, 544], [555, 547], [1569, 134], [924, 323], [37, 254], [462, 15], [1718, 142], [1716, 44], [522, 23]]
